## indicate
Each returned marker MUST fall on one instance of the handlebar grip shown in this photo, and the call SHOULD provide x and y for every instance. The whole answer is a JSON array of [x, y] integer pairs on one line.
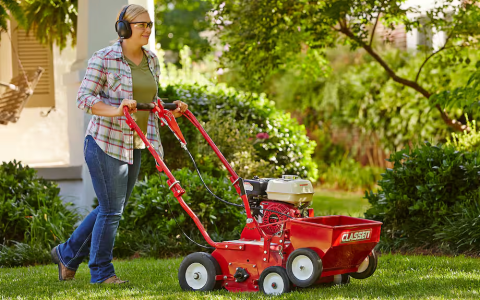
[[148, 106], [170, 106], [145, 105]]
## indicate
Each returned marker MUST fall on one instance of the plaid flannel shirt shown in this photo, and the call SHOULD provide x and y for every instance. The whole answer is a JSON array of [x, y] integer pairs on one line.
[[109, 79]]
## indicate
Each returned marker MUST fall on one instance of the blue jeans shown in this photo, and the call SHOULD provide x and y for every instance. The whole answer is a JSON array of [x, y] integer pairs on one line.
[[113, 181]]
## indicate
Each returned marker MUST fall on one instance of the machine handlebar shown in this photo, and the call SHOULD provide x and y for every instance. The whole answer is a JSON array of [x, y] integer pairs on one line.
[[170, 106], [149, 106], [145, 106]]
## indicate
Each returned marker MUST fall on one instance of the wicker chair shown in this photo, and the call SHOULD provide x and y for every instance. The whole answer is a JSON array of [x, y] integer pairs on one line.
[[15, 97]]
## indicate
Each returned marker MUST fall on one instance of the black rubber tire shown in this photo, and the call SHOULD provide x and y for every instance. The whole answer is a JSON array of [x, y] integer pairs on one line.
[[316, 262], [283, 274], [372, 266], [211, 266]]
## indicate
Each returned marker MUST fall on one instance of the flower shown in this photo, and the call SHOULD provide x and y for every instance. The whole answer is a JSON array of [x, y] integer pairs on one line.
[[262, 136]]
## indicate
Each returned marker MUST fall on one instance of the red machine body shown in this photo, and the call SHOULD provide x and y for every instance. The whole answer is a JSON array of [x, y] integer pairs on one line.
[[342, 243]]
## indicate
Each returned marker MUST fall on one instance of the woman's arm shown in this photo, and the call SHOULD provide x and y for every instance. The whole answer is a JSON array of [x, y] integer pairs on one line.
[[92, 84], [105, 110]]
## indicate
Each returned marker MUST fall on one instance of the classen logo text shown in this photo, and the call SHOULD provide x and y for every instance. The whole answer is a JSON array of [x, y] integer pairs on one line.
[[355, 236]]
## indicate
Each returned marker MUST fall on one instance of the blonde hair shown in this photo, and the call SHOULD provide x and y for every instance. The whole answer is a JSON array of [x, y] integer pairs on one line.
[[132, 12]]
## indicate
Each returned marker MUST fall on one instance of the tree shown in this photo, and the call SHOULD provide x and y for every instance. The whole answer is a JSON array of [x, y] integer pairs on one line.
[[266, 35], [13, 7], [179, 23], [52, 21]]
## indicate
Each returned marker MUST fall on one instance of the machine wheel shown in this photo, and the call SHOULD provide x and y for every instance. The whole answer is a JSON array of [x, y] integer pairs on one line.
[[367, 267], [341, 279], [304, 266], [274, 281], [197, 272]]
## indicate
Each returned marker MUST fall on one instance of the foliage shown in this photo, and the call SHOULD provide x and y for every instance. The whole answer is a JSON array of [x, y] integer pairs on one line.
[[461, 233], [31, 211], [327, 151], [12, 7], [467, 141], [349, 175], [235, 141], [264, 38], [53, 21], [180, 23], [21, 254], [360, 101], [284, 142], [148, 227], [427, 186], [466, 96]]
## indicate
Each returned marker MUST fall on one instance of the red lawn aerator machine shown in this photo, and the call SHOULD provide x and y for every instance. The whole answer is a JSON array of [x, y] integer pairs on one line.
[[282, 245]]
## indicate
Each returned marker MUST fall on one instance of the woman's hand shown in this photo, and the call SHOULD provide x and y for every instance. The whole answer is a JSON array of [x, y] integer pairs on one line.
[[181, 108], [131, 104]]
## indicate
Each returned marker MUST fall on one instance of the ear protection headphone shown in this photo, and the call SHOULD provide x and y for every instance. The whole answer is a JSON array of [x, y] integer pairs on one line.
[[122, 27]]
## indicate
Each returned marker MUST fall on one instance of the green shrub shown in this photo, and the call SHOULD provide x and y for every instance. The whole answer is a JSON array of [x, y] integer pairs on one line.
[[31, 210], [234, 139], [349, 175], [147, 226], [461, 232], [287, 147], [33, 218], [427, 186], [21, 254]]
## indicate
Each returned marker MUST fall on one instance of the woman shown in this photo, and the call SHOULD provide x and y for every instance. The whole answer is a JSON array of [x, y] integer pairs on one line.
[[115, 76]]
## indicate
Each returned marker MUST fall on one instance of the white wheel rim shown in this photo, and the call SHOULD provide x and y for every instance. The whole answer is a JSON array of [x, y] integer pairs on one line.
[[196, 276], [273, 284], [302, 267], [364, 265], [337, 279]]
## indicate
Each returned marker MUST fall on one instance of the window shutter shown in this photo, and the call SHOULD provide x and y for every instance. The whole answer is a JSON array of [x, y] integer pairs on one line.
[[32, 55]]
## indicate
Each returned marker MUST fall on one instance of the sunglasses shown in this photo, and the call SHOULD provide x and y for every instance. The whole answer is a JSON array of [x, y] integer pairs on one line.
[[142, 25]]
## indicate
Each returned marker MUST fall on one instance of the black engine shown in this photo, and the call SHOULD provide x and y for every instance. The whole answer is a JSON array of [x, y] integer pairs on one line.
[[256, 190]]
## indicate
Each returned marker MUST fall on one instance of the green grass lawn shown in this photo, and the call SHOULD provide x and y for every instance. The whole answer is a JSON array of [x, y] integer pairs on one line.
[[339, 203], [397, 277]]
